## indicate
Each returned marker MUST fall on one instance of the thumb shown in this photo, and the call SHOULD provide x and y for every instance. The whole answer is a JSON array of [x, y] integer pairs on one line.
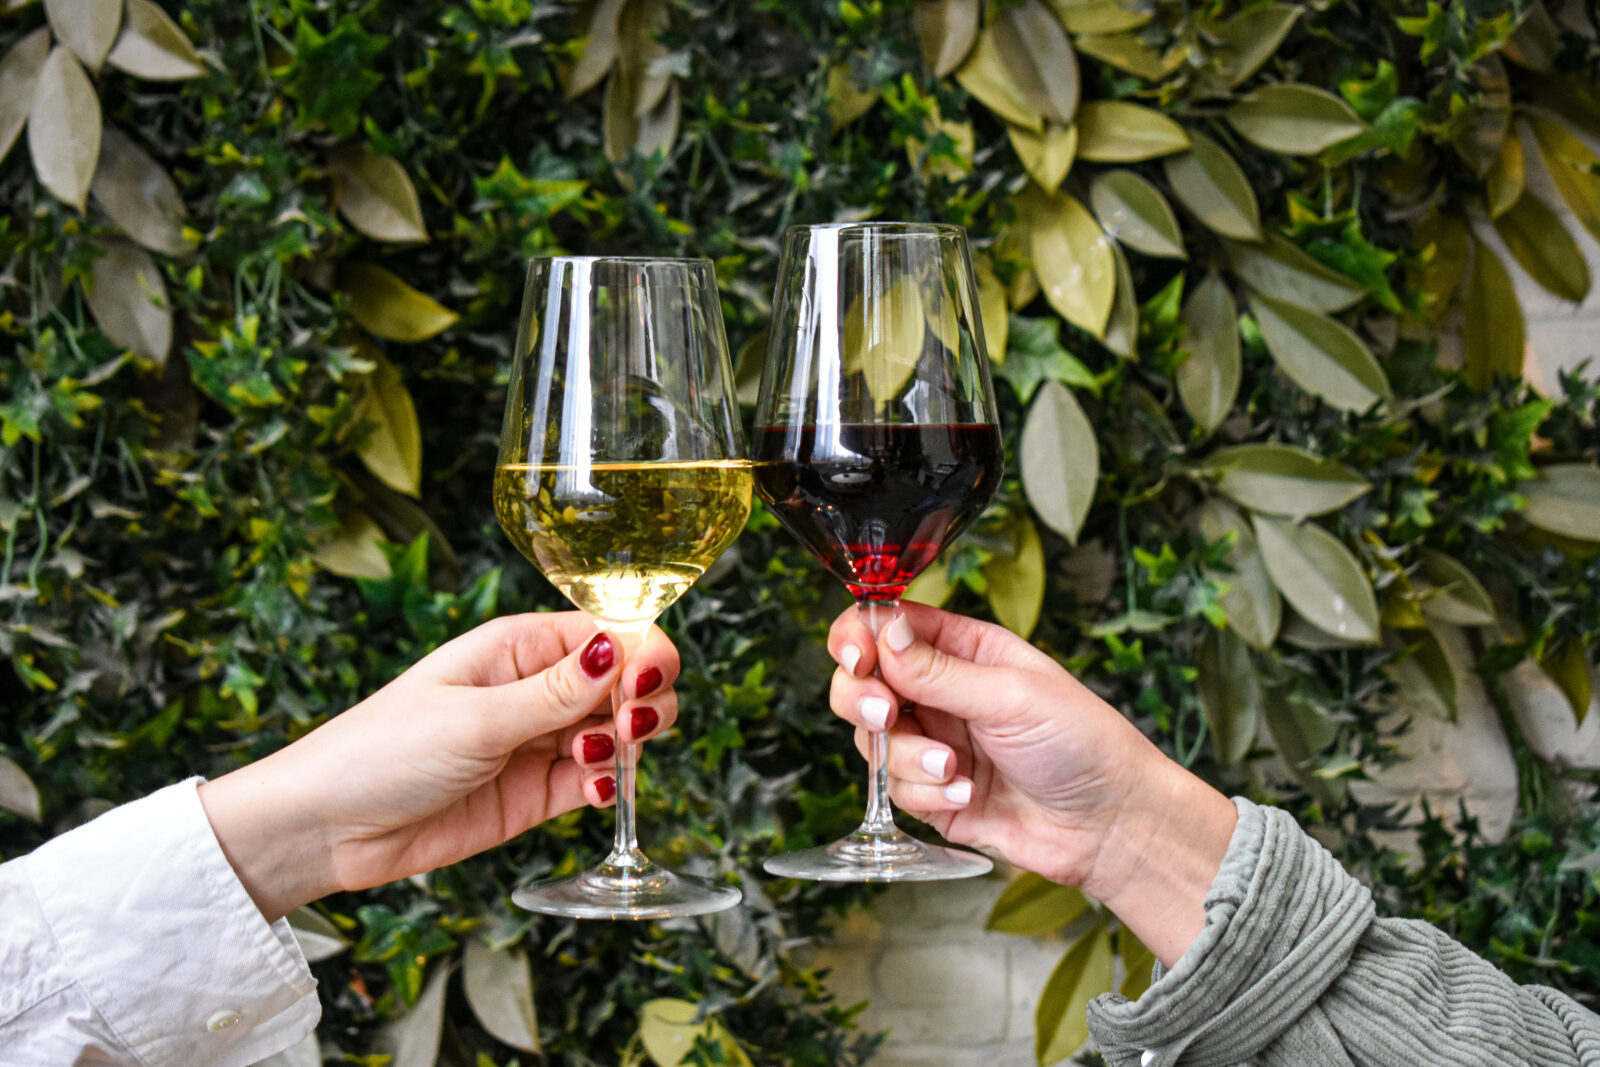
[[925, 674], [552, 699]]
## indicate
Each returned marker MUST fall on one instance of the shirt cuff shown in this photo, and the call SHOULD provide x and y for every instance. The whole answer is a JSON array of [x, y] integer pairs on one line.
[[157, 929], [1282, 920]]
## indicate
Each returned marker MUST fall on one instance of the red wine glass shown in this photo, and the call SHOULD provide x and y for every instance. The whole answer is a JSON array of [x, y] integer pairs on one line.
[[876, 443]]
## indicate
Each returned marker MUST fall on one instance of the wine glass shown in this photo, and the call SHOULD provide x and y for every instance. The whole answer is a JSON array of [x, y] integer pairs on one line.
[[621, 476], [876, 443]]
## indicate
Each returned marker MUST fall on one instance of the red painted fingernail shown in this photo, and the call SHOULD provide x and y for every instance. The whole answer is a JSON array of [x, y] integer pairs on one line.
[[598, 657], [644, 720], [649, 681], [606, 787], [598, 748]]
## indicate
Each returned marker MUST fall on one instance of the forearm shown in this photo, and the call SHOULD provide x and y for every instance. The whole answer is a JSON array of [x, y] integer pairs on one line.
[[272, 834]]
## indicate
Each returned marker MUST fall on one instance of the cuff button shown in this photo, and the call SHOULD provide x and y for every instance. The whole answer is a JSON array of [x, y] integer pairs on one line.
[[222, 1020]]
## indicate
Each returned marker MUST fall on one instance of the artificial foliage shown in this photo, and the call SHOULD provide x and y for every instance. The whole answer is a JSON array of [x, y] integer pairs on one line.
[[258, 272]]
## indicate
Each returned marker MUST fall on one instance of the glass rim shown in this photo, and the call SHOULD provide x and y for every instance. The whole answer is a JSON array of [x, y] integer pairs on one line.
[[679, 261], [888, 228]]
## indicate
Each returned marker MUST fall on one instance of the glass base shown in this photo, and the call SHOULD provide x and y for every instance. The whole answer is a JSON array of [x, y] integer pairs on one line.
[[879, 857], [611, 891]]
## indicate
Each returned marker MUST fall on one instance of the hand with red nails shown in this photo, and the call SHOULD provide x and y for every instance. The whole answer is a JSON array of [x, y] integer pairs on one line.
[[1002, 749], [500, 729]]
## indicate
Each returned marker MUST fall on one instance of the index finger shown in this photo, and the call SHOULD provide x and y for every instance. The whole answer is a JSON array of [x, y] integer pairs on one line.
[[508, 649]]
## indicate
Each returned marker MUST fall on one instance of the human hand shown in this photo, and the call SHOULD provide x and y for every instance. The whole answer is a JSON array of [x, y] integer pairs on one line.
[[1005, 750], [491, 734]]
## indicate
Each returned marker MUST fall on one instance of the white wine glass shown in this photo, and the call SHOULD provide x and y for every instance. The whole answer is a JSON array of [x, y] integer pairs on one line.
[[622, 476]]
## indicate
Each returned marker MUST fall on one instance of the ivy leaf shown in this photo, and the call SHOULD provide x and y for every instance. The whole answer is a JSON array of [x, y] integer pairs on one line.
[[1035, 355], [1061, 1023], [1208, 380], [1033, 905], [1114, 131], [1134, 213], [332, 76], [499, 986], [1060, 460], [1320, 577], [1230, 694], [1215, 190]]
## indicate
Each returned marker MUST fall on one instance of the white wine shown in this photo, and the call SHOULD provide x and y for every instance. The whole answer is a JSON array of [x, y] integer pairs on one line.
[[622, 541]]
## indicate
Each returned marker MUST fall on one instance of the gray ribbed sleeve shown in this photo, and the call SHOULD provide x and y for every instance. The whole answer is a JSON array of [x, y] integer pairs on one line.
[[1294, 969]]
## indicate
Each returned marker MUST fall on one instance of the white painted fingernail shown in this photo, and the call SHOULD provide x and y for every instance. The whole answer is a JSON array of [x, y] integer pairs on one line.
[[935, 762], [850, 655], [958, 792], [874, 712], [899, 635]]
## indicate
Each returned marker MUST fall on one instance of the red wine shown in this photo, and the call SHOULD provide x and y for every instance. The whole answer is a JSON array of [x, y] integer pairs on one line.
[[877, 503]]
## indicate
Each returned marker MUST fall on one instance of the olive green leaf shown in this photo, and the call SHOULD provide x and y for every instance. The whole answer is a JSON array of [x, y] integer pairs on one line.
[[1036, 354], [1453, 592], [960, 133], [1285, 480], [413, 1039], [1060, 460], [1484, 124], [1571, 98], [884, 333], [319, 939], [499, 986], [747, 367], [375, 194], [1319, 577], [1565, 500], [1046, 155], [1249, 39], [1295, 119], [1536, 41], [391, 446], [1114, 131], [626, 130], [1033, 905], [1573, 170], [1321, 355], [389, 308], [642, 26], [352, 550], [1504, 183], [1444, 244], [1230, 694], [601, 45], [946, 30], [847, 101], [1072, 256], [992, 308], [1213, 187], [1138, 965], [1279, 268], [1039, 55], [1301, 731], [1537, 240], [1101, 16], [139, 195], [933, 586], [1129, 52], [668, 1029], [1492, 335], [1422, 672], [129, 300], [1568, 666], [19, 73], [1136, 214], [64, 128], [17, 791], [1061, 1022], [1208, 381], [1016, 582], [1122, 327], [1298, 632], [1252, 603], [986, 76], [88, 27], [153, 47]]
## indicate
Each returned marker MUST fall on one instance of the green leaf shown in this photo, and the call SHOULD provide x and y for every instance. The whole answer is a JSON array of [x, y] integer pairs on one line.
[[17, 791], [1212, 186], [1230, 694], [1138, 965], [413, 1039], [1574, 170], [669, 1032], [1249, 39], [499, 986], [626, 130], [1301, 732], [883, 337], [318, 938], [1101, 16], [332, 76], [139, 195], [1568, 666], [388, 307], [1279, 268], [601, 45], [1538, 241], [1122, 328], [129, 300], [1134, 212], [154, 47], [1321, 355], [1423, 674], [1208, 380], [1492, 337], [1073, 259], [986, 76], [1039, 56], [946, 31], [847, 101], [64, 128], [933, 586], [1284, 480], [1565, 500], [1033, 905], [1252, 603], [391, 446], [373, 192], [1016, 582], [1061, 1022], [1537, 40], [1060, 460], [1506, 180], [1454, 594], [1129, 52], [1113, 131], [88, 27], [19, 74], [1295, 119], [353, 550], [1046, 155], [1036, 355], [1443, 243], [1319, 577], [992, 308]]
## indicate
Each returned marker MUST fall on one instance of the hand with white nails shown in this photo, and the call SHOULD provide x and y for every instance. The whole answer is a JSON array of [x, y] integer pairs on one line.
[[1000, 748]]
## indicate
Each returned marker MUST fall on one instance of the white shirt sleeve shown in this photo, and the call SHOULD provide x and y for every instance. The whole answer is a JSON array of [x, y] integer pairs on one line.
[[131, 940]]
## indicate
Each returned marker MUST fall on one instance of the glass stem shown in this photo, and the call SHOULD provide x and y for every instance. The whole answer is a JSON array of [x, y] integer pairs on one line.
[[880, 813], [625, 847]]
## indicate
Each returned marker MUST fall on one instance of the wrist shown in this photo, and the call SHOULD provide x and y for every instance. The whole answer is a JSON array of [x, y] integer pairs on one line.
[[272, 840]]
